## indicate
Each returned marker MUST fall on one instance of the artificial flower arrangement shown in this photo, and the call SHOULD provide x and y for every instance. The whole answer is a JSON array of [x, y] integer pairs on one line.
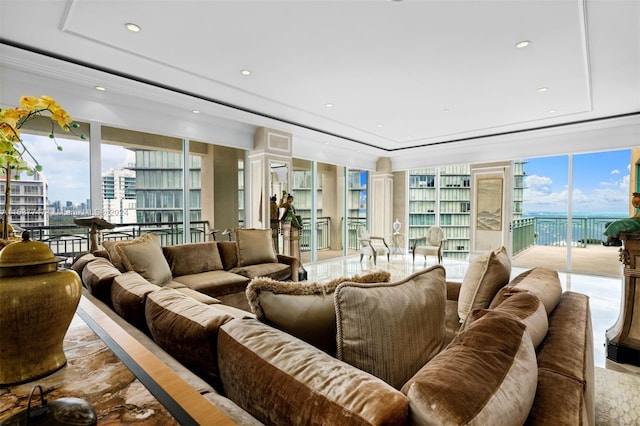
[[14, 155]]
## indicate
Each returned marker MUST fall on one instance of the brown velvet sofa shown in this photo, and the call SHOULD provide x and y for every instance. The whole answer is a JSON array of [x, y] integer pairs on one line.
[[489, 350]]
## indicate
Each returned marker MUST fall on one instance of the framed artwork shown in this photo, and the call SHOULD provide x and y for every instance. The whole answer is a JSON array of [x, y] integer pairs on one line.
[[489, 204]]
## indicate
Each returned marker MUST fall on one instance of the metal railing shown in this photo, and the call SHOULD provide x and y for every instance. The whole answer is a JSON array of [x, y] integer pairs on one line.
[[323, 234], [71, 240], [552, 231]]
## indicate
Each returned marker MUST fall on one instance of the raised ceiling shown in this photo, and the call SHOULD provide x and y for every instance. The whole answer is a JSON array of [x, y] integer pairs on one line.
[[386, 78]]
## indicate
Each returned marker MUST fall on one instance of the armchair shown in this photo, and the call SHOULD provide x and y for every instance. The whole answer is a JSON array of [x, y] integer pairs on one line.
[[372, 246], [431, 244]]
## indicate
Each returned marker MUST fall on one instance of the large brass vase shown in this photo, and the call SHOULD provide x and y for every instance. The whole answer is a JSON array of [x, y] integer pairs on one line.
[[37, 304]]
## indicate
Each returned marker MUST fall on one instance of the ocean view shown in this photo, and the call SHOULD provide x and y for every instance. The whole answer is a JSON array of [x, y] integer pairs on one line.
[[587, 228]]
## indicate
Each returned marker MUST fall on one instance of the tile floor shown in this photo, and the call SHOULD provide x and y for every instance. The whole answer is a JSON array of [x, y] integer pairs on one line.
[[605, 293]]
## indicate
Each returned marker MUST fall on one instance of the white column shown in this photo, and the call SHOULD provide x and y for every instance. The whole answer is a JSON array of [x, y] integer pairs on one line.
[[95, 169]]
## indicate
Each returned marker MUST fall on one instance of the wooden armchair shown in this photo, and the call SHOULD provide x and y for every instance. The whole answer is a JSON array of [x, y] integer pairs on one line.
[[372, 246]]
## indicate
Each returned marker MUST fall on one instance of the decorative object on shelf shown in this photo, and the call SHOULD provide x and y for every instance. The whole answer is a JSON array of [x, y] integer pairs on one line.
[[13, 153], [62, 411], [396, 226], [38, 303]]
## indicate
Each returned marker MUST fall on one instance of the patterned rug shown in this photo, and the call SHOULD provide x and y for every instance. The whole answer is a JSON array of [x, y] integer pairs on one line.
[[617, 398]]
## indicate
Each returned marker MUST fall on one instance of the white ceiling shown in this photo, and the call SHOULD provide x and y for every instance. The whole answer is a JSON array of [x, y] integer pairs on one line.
[[418, 81]]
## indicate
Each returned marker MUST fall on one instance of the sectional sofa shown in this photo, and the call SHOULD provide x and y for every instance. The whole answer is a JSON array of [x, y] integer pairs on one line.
[[362, 350]]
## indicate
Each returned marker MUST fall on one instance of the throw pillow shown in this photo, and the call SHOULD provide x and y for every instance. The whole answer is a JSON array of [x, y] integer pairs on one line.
[[392, 329], [522, 305], [254, 246], [114, 257], [486, 376], [486, 275], [144, 255], [542, 282], [188, 259], [304, 310]]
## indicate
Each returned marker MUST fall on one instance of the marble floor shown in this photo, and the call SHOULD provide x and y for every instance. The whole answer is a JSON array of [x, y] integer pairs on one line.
[[604, 292]]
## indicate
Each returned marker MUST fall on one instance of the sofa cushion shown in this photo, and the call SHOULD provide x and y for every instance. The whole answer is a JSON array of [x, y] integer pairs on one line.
[[97, 277], [486, 376], [187, 330], [81, 261], [254, 246], [282, 380], [276, 271], [391, 329], [114, 257], [228, 254], [187, 259], [485, 276], [214, 283], [128, 294], [144, 255], [305, 310], [522, 305], [542, 282]]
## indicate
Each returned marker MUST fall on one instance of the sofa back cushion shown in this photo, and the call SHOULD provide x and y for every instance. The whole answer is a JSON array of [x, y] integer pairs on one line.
[[542, 282], [282, 380], [523, 306], [187, 330], [305, 310], [486, 275], [97, 277], [144, 256], [254, 246], [228, 254], [114, 257], [486, 376], [391, 329], [187, 259]]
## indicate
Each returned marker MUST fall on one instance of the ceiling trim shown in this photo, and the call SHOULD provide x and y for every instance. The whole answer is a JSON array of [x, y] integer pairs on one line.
[[67, 59]]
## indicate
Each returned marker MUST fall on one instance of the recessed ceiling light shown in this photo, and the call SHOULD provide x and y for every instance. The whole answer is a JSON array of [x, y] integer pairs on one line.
[[523, 43], [552, 111], [100, 88], [329, 105], [195, 111], [446, 110], [132, 27], [542, 89], [245, 72], [379, 125]]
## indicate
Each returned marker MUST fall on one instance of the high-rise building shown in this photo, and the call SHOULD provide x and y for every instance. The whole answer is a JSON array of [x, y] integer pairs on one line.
[[119, 196], [28, 200]]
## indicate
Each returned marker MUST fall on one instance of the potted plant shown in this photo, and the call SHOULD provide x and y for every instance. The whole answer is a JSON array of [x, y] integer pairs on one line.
[[14, 155]]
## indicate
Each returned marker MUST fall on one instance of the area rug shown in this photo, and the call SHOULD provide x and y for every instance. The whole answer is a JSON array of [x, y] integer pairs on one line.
[[617, 398]]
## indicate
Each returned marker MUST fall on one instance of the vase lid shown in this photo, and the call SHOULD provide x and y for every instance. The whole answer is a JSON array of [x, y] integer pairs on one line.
[[26, 253]]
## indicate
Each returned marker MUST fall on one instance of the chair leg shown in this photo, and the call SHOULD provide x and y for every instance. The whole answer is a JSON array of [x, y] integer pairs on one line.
[[374, 258], [361, 256], [388, 257], [414, 256]]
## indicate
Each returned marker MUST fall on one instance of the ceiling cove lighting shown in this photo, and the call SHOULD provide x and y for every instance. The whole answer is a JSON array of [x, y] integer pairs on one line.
[[245, 72], [132, 27], [522, 44], [100, 88]]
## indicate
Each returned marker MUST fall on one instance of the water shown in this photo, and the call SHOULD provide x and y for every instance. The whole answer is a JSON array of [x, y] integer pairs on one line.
[[587, 228]]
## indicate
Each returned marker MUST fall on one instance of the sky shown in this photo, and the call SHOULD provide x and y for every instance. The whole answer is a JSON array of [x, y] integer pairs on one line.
[[601, 180], [600, 183]]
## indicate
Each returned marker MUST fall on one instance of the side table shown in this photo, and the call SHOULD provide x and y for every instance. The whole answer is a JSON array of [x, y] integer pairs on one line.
[[397, 243]]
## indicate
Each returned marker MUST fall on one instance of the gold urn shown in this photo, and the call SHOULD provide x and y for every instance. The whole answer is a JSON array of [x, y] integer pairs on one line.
[[37, 304]]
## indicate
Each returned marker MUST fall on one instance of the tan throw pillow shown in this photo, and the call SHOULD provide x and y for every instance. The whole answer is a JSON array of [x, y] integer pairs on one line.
[[542, 282], [486, 376], [304, 310], [144, 255], [486, 275], [188, 259], [522, 305], [254, 246], [392, 329], [114, 257]]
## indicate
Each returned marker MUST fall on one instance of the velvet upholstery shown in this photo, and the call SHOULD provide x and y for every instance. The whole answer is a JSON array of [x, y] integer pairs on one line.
[[228, 254], [486, 376], [187, 259], [486, 275], [542, 282], [391, 329], [114, 257], [254, 246], [273, 270], [304, 310], [282, 380], [567, 351], [129, 293], [97, 277], [214, 283], [144, 256], [187, 329], [522, 305]]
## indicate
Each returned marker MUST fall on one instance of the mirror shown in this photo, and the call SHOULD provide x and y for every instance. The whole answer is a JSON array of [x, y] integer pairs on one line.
[[278, 190]]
